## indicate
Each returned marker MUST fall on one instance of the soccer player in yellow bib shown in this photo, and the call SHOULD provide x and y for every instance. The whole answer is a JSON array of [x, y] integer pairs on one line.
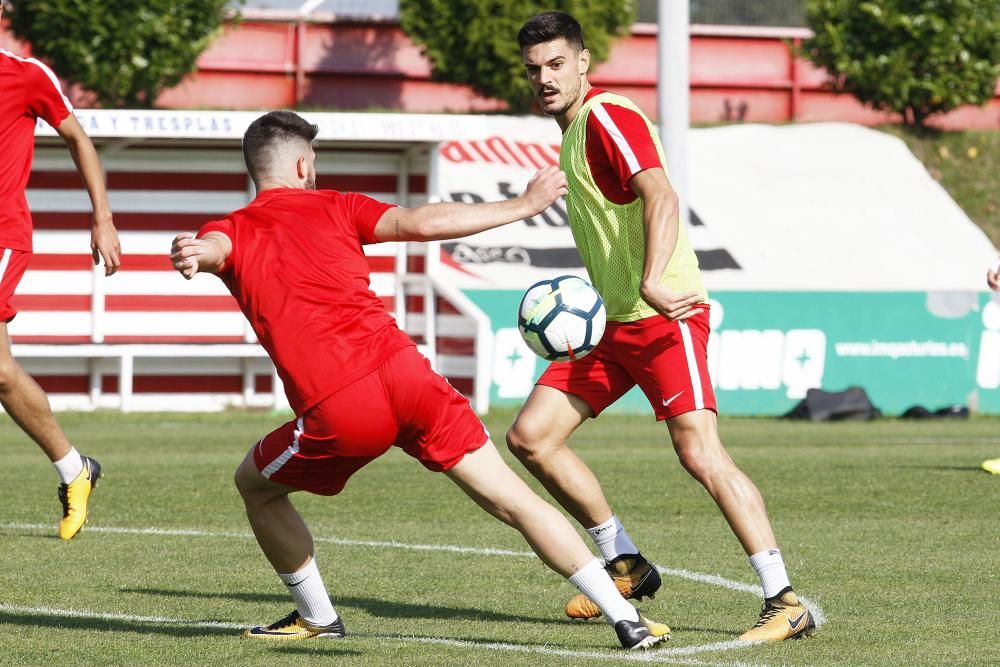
[[624, 217], [993, 280]]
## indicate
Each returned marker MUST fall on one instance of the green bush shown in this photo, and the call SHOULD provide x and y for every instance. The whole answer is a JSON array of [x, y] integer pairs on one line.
[[474, 42], [914, 57], [125, 52]]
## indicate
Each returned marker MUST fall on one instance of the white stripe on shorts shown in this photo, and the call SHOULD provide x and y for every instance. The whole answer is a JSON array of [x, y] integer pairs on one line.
[[293, 449], [4, 262], [699, 397]]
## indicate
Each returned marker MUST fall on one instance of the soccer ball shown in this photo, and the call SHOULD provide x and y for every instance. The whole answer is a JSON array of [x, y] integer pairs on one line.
[[561, 319]]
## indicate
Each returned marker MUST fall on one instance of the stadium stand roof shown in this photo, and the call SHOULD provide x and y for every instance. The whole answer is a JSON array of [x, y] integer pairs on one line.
[[778, 13], [320, 8]]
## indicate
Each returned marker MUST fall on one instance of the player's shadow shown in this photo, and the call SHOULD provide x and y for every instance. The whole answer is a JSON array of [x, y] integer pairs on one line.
[[323, 649], [724, 634], [208, 595], [373, 606], [21, 532], [171, 629], [975, 469]]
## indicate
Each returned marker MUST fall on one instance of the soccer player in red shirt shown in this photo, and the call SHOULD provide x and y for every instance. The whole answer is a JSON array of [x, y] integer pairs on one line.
[[623, 213], [29, 91], [293, 260]]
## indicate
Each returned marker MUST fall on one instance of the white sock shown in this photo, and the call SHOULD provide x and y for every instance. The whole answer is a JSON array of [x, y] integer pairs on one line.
[[311, 599], [770, 567], [70, 466], [593, 581], [611, 538]]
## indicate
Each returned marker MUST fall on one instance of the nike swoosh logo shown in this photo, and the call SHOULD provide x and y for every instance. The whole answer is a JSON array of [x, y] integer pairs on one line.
[[794, 625], [668, 401]]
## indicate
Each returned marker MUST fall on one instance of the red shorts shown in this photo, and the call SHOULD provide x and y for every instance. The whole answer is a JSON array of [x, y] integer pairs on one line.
[[402, 402], [13, 264], [667, 359]]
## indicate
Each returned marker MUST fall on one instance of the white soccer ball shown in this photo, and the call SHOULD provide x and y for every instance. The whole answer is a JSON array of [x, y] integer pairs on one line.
[[561, 319]]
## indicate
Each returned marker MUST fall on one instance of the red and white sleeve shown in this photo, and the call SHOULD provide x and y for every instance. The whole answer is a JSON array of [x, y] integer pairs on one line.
[[624, 137], [45, 98]]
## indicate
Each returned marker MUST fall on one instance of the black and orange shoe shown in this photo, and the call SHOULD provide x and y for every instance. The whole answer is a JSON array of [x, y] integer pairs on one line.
[[293, 627], [640, 634], [634, 576]]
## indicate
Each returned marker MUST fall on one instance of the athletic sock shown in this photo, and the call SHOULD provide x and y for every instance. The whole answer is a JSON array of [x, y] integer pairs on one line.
[[770, 567], [310, 596], [70, 466], [611, 538], [593, 581]]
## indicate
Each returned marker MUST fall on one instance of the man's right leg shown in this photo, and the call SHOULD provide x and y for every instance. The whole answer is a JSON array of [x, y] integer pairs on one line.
[[28, 406], [288, 545], [538, 438], [488, 480]]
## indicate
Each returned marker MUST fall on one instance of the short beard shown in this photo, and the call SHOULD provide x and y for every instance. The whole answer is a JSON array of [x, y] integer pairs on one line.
[[557, 112], [310, 184], [566, 107]]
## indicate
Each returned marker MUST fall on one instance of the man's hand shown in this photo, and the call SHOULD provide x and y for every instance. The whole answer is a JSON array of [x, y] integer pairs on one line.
[[993, 276], [672, 306], [546, 186], [104, 243], [184, 253]]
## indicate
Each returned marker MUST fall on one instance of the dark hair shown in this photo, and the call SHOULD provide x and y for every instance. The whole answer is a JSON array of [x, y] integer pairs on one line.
[[549, 26], [273, 128]]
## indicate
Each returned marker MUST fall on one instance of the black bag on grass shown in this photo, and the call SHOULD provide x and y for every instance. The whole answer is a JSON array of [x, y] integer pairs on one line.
[[821, 406]]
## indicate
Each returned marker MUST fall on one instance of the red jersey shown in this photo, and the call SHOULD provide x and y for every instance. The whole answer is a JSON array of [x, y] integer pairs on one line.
[[619, 146], [28, 91], [300, 276]]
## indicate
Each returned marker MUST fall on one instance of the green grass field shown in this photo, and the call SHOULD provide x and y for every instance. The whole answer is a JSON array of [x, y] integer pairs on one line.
[[889, 528]]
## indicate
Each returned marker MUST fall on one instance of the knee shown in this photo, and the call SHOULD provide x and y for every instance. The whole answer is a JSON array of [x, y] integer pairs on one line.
[[243, 479], [9, 373], [516, 509], [524, 440], [703, 457], [239, 482], [505, 511]]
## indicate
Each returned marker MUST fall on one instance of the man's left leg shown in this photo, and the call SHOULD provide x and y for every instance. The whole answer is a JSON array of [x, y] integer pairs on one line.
[[28, 406], [288, 545], [488, 480], [696, 440]]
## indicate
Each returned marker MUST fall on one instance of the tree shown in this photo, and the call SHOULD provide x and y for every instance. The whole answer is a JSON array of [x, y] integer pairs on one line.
[[475, 41], [125, 52], [915, 57]]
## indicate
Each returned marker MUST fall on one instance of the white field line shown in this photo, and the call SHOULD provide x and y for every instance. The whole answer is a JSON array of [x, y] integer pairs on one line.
[[943, 440], [105, 616], [712, 579], [659, 655], [716, 580]]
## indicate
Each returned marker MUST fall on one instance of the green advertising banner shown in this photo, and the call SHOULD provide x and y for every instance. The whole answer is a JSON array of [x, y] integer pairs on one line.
[[768, 348]]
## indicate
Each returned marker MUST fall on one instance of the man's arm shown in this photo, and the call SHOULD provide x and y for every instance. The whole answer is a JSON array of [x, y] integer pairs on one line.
[[993, 276], [661, 215], [104, 243], [452, 220], [208, 254]]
